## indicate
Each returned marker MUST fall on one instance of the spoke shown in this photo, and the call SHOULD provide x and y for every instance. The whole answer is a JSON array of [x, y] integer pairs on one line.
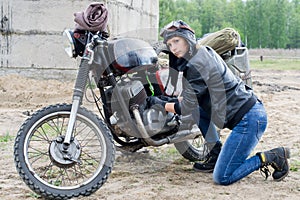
[[86, 135], [62, 124], [81, 173], [36, 156], [57, 127], [79, 125], [78, 172], [43, 135], [86, 171], [92, 152], [63, 180], [84, 141], [62, 172], [89, 157], [90, 160], [94, 147], [58, 179], [70, 175], [45, 170]]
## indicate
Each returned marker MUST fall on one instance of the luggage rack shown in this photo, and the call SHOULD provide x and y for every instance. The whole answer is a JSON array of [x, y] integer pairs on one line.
[[238, 62]]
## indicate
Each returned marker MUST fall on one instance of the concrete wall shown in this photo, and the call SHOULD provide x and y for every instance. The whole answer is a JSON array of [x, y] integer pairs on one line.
[[31, 32]]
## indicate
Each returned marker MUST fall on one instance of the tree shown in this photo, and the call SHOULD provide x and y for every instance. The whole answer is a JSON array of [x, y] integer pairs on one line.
[[261, 23], [293, 27]]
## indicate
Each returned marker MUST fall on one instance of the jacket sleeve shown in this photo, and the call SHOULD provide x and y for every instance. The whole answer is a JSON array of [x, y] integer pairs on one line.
[[194, 88], [203, 76]]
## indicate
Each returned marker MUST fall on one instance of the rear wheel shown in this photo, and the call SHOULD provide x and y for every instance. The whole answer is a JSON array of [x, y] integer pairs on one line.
[[43, 163], [193, 150]]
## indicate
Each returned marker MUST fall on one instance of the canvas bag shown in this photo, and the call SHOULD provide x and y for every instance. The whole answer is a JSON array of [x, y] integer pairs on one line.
[[221, 41]]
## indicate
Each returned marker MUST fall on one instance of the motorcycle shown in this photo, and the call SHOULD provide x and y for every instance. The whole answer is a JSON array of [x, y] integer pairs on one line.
[[65, 150]]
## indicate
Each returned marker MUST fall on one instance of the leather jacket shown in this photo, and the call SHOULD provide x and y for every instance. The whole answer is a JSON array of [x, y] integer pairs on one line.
[[210, 84]]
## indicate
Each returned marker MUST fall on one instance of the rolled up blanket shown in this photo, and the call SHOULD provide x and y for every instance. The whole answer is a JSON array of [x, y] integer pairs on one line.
[[94, 18]]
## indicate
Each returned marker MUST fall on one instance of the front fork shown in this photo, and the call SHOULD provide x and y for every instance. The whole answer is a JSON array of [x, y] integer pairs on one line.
[[80, 84]]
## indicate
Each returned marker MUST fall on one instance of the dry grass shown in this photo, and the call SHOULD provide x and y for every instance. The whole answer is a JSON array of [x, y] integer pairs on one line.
[[282, 53], [277, 59]]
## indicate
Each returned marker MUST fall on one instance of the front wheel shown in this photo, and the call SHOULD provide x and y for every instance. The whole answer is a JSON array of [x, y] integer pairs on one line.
[[43, 163]]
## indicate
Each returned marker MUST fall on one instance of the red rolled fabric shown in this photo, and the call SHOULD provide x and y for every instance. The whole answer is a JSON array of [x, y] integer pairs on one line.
[[94, 18]]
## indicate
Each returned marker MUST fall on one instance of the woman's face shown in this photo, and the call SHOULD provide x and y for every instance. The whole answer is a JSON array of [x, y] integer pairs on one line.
[[178, 46]]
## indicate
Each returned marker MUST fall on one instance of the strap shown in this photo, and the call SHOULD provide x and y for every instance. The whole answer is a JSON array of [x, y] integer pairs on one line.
[[150, 84]]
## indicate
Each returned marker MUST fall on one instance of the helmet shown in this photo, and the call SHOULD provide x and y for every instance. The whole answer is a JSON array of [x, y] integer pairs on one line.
[[178, 28], [181, 29]]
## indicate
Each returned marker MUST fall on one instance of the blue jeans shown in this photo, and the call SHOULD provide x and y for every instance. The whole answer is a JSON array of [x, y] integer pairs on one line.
[[206, 127], [233, 163]]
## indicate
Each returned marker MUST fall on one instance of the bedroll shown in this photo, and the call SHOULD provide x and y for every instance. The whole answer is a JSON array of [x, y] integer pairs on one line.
[[221, 41]]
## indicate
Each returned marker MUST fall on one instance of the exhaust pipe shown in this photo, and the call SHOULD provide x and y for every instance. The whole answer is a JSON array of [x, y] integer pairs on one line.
[[180, 136], [184, 135], [143, 131]]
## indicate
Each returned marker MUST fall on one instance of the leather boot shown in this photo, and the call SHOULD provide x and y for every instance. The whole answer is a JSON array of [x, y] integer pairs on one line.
[[211, 158], [277, 158]]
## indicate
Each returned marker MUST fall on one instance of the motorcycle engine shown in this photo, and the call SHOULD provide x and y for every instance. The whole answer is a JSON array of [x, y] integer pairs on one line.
[[155, 120], [133, 94]]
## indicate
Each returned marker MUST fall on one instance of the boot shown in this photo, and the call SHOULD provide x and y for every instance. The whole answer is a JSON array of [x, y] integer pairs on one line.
[[277, 158], [211, 158]]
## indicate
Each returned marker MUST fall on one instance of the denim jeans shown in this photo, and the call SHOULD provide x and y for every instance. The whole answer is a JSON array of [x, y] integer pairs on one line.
[[233, 163], [207, 128]]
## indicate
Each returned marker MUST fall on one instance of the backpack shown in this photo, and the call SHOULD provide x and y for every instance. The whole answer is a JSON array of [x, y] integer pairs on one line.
[[221, 41]]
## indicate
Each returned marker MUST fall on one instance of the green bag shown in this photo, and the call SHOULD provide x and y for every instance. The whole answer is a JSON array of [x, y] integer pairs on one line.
[[221, 41]]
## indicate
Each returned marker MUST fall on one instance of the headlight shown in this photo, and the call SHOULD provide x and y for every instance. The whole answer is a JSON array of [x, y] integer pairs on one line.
[[74, 42], [68, 42]]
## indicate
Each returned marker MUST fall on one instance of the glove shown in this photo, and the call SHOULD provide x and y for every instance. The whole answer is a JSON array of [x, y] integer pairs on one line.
[[155, 100], [169, 99], [175, 100]]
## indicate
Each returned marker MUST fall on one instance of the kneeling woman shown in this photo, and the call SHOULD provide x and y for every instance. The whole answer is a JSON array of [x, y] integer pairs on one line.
[[229, 104]]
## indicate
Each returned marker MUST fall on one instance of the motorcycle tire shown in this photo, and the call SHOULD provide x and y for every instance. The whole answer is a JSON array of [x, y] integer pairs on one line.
[[192, 150], [40, 162]]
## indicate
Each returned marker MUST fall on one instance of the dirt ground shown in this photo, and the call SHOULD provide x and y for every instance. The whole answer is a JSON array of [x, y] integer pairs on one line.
[[161, 173]]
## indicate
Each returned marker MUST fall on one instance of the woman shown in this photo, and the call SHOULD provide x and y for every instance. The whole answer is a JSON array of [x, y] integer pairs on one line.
[[228, 102]]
